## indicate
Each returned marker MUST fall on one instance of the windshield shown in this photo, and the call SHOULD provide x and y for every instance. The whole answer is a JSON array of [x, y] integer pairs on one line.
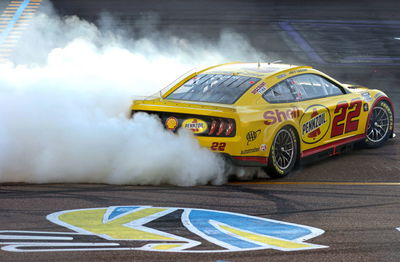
[[214, 88]]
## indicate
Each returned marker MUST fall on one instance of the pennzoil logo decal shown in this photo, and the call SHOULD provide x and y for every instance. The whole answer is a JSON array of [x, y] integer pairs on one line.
[[314, 123], [146, 228], [198, 126]]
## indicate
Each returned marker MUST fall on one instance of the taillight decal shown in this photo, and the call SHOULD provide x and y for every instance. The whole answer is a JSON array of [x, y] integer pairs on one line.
[[213, 127], [230, 128], [221, 127]]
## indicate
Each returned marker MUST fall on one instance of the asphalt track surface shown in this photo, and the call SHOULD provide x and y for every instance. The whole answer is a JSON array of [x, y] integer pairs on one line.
[[353, 197]]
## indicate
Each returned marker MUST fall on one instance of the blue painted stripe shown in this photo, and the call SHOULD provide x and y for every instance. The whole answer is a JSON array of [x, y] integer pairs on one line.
[[121, 210], [11, 23], [200, 220], [310, 52]]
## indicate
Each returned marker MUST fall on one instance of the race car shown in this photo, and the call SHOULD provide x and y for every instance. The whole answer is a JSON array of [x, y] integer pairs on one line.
[[272, 115]]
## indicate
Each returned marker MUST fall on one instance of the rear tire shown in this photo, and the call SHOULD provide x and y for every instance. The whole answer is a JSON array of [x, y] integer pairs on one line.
[[380, 125], [283, 153]]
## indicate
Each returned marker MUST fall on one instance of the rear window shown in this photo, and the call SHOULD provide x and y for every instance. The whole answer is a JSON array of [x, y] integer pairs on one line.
[[214, 88]]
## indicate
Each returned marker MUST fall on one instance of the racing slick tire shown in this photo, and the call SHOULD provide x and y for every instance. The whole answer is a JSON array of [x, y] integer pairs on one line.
[[380, 125], [283, 153]]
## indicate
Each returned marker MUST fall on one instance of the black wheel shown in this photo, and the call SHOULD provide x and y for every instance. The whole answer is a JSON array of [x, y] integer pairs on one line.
[[380, 125], [283, 154]]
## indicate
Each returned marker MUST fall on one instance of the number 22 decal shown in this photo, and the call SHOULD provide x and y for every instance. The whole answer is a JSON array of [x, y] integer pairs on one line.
[[352, 111], [215, 146]]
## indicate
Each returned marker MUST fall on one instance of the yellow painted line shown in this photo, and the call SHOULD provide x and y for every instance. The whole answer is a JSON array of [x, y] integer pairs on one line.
[[7, 15], [264, 239], [12, 8], [92, 220], [166, 246], [318, 183]]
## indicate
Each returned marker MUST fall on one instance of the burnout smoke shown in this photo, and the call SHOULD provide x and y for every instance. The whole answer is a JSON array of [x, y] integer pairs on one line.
[[64, 106]]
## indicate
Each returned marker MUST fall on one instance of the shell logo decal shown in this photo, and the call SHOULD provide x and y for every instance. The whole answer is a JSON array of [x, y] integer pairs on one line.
[[314, 124], [171, 123], [198, 126]]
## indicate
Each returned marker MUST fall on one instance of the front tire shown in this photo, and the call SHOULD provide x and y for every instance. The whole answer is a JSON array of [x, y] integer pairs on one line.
[[380, 125], [283, 153]]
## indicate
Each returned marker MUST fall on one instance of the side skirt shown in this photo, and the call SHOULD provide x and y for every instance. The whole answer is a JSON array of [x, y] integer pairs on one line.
[[334, 148]]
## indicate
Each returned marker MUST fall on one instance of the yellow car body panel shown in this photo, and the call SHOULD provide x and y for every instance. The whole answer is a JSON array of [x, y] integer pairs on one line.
[[321, 123]]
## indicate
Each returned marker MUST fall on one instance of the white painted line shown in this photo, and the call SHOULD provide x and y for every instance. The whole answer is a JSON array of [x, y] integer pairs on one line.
[[21, 237]]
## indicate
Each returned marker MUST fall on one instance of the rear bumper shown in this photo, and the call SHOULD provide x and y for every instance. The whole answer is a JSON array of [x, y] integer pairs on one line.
[[250, 161]]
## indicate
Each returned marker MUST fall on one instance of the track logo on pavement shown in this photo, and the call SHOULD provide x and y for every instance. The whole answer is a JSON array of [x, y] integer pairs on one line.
[[162, 229]]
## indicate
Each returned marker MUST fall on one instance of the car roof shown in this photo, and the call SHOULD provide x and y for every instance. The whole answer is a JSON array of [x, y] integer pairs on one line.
[[250, 69]]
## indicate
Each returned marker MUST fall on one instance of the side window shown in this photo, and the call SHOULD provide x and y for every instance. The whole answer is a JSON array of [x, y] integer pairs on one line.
[[331, 89], [280, 93], [309, 86]]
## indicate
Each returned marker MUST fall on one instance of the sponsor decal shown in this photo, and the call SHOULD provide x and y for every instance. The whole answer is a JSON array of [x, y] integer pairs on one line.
[[280, 76], [366, 96], [366, 107], [298, 71], [171, 123], [260, 89], [273, 116], [148, 228], [314, 123], [252, 135], [248, 151], [377, 95], [198, 126], [390, 113], [263, 147]]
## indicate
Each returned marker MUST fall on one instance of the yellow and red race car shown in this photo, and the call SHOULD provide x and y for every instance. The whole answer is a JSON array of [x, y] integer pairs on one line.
[[272, 115]]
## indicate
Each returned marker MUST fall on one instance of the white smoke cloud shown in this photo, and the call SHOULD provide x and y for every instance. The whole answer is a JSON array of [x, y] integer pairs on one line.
[[65, 97]]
